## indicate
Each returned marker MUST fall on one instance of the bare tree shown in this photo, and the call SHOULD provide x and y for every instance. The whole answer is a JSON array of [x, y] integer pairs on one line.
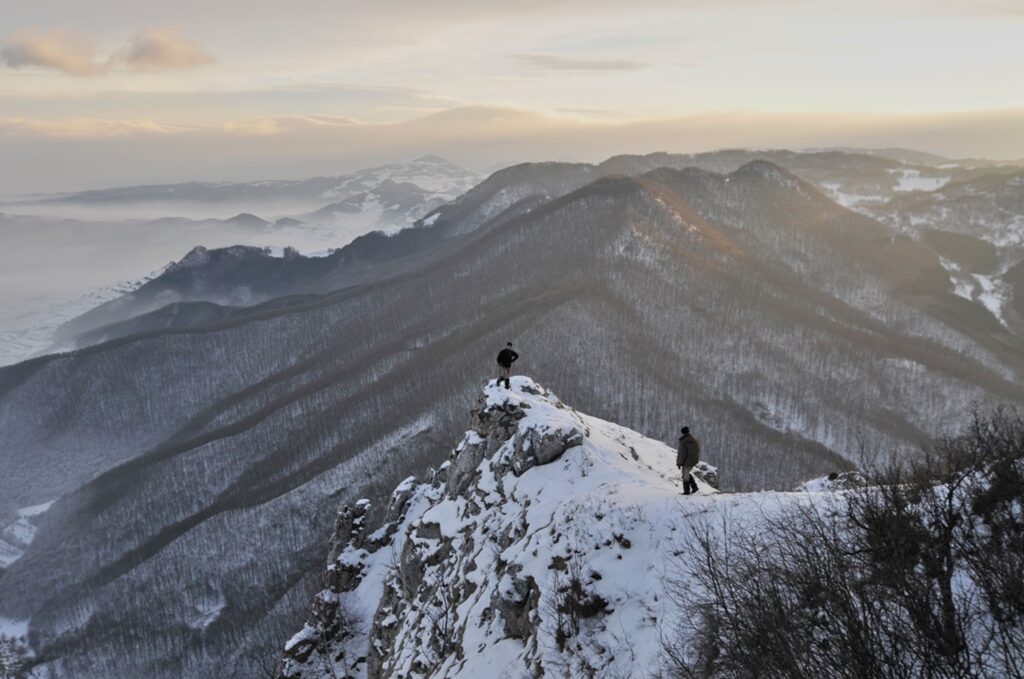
[[919, 574]]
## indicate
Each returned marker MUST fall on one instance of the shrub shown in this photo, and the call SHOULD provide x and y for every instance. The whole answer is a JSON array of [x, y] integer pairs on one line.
[[918, 574]]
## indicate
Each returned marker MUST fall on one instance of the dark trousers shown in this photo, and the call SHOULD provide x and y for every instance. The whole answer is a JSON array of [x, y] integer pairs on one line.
[[689, 484]]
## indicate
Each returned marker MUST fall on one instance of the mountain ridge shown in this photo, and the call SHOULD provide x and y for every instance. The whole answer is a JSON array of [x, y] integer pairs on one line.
[[540, 545], [602, 307]]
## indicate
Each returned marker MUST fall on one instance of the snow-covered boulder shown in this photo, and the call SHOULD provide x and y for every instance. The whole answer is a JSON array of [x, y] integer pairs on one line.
[[707, 473], [836, 481]]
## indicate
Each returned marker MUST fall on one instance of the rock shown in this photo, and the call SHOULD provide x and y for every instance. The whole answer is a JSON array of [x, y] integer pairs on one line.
[[517, 606], [836, 481], [399, 499], [707, 473]]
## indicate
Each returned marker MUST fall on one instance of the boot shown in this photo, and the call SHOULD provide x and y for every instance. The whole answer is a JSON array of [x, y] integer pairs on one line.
[[690, 485]]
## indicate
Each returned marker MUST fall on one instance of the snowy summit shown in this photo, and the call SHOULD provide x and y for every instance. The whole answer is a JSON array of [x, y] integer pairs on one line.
[[543, 547]]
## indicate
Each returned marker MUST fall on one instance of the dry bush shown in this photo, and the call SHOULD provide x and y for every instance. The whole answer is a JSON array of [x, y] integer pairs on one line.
[[919, 574]]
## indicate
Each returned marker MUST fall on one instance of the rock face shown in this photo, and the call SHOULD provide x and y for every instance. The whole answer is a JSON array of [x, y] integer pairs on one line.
[[326, 637], [535, 547]]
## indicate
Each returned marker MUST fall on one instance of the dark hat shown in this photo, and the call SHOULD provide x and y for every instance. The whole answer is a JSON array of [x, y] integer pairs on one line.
[[685, 430], [508, 344]]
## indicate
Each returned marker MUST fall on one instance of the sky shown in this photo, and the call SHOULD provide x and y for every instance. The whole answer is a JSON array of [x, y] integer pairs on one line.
[[114, 92]]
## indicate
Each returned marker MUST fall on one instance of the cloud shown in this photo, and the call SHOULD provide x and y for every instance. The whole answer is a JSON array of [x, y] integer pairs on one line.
[[84, 128], [985, 8], [160, 49], [285, 124], [60, 50], [50, 155], [553, 62], [152, 49]]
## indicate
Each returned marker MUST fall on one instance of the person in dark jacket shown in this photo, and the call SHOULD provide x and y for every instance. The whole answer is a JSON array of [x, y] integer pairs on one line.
[[687, 458], [506, 357]]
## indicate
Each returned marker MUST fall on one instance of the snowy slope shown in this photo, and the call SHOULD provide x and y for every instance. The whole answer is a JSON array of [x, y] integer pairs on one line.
[[27, 327], [18, 534], [542, 548]]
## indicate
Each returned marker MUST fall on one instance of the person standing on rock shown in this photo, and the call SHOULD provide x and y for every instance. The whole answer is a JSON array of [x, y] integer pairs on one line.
[[506, 357], [687, 458]]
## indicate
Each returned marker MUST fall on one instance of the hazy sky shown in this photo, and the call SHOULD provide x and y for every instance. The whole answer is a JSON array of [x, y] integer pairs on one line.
[[139, 91]]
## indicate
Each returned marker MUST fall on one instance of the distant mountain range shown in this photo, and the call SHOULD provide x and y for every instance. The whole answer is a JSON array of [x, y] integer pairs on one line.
[[430, 173], [984, 213], [327, 213], [198, 451]]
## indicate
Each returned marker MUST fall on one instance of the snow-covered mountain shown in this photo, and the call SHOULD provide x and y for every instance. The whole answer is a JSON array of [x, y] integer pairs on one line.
[[545, 546], [388, 207], [433, 175], [556, 544], [874, 184], [332, 211], [197, 466]]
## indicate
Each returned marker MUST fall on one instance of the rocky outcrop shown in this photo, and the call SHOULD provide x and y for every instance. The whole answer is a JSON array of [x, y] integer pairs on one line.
[[517, 550], [329, 623], [495, 423], [707, 473], [435, 574]]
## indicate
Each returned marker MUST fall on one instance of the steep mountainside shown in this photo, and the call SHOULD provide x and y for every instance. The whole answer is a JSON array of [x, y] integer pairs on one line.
[[861, 181], [195, 470], [990, 207], [555, 544], [546, 546]]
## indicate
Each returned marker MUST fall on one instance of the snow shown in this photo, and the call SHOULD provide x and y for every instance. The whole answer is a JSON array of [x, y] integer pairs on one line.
[[989, 291], [819, 485], [10, 627], [429, 173], [993, 294], [9, 554], [307, 633], [609, 510], [850, 200], [28, 324], [406, 485], [911, 180], [35, 510], [21, 531], [28, 321], [19, 534], [207, 611], [963, 286]]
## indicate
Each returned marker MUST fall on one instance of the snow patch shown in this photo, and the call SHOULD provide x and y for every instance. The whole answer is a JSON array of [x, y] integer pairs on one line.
[[993, 294], [19, 534], [834, 190], [912, 180], [14, 629]]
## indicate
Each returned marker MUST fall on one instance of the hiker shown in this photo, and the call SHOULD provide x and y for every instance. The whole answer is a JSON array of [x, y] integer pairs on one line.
[[506, 357], [687, 458]]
